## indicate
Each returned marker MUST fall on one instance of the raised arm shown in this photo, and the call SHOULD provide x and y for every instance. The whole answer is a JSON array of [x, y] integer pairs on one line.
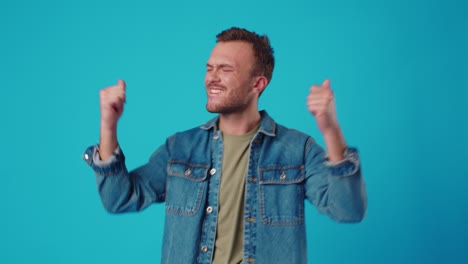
[[112, 101], [321, 104], [334, 183], [120, 190]]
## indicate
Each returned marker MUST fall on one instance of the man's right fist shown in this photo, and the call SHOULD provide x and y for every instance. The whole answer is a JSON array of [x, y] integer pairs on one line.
[[112, 101]]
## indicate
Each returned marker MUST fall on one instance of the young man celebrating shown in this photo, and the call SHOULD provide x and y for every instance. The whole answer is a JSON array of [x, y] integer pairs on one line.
[[234, 187]]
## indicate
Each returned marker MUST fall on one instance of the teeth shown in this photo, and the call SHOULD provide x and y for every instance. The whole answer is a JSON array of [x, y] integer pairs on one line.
[[215, 91]]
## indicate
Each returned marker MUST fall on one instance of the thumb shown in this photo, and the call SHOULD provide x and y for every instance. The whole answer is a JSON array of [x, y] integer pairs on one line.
[[326, 84], [121, 84]]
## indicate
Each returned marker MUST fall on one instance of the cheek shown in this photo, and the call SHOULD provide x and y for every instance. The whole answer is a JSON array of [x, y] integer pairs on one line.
[[234, 79]]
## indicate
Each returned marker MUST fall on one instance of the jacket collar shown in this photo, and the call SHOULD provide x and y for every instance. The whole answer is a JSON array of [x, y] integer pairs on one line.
[[267, 124]]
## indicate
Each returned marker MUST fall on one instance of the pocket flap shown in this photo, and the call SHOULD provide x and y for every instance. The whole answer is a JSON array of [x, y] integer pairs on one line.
[[194, 172], [281, 175]]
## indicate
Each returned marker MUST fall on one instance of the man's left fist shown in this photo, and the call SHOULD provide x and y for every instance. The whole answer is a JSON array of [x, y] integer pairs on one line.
[[321, 104]]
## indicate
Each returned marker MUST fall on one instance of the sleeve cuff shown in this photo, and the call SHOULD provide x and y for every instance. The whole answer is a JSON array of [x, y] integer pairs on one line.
[[111, 166], [346, 167]]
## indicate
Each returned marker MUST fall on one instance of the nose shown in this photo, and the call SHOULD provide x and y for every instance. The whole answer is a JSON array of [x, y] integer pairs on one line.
[[212, 76]]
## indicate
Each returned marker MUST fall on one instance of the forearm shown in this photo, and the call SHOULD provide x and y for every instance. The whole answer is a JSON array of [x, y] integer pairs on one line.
[[335, 144], [347, 197], [108, 141], [123, 191], [114, 191]]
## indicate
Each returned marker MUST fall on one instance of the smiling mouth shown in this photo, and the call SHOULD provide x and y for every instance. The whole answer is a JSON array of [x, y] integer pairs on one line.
[[215, 90]]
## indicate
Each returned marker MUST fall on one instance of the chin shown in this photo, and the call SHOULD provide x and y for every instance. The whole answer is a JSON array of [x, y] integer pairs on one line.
[[211, 109]]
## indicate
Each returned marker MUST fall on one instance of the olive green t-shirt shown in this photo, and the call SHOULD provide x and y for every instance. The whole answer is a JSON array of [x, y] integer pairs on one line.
[[230, 229]]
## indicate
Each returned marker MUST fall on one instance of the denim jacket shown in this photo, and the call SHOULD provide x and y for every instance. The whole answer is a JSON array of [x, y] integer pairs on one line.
[[285, 168]]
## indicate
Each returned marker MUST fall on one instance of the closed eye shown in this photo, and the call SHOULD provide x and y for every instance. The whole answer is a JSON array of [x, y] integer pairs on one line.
[[223, 67]]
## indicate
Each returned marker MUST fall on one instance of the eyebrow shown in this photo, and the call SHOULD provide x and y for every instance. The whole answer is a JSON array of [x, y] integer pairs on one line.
[[223, 65]]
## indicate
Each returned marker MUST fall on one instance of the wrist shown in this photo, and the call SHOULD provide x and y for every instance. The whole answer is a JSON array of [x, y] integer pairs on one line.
[[108, 128]]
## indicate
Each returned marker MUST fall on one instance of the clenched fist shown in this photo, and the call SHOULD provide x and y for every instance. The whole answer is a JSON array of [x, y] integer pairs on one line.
[[321, 104], [112, 101]]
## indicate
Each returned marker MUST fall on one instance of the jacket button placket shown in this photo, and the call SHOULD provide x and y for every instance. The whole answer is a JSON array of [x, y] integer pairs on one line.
[[210, 219]]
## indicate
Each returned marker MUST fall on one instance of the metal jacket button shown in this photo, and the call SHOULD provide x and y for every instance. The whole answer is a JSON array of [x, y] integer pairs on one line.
[[283, 175]]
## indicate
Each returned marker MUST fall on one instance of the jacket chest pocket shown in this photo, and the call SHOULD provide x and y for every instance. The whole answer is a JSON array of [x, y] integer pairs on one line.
[[282, 195], [185, 187]]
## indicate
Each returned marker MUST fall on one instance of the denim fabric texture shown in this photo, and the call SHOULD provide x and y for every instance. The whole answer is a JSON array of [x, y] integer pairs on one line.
[[285, 168]]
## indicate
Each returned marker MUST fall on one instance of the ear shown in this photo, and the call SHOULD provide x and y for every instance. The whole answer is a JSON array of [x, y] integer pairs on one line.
[[260, 83]]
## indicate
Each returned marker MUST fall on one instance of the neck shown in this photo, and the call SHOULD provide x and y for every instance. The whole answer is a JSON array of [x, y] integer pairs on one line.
[[239, 123]]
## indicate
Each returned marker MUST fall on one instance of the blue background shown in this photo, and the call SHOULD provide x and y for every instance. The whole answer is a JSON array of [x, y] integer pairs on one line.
[[398, 68]]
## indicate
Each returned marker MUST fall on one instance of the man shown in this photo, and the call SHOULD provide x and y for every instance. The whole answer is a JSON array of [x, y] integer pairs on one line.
[[234, 187]]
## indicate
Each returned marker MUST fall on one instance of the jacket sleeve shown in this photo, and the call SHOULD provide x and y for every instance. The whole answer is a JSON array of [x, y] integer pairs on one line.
[[123, 191], [336, 189]]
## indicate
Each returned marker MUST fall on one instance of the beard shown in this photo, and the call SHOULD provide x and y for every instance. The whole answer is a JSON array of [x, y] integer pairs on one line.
[[226, 108], [229, 101]]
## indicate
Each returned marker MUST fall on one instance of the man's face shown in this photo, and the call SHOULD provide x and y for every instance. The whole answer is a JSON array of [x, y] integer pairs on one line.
[[229, 80]]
